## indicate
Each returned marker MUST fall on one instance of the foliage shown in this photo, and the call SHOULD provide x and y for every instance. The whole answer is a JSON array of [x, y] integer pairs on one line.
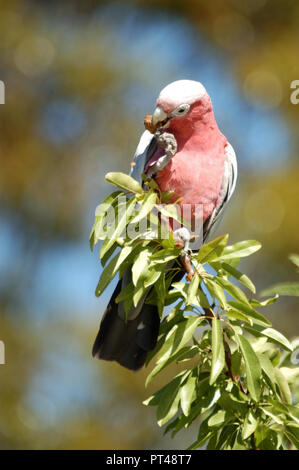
[[285, 288], [235, 375]]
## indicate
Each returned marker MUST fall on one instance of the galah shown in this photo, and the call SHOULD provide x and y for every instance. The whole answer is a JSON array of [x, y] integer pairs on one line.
[[185, 152]]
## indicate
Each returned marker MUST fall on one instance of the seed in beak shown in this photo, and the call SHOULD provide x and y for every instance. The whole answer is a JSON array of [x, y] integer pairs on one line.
[[148, 123]]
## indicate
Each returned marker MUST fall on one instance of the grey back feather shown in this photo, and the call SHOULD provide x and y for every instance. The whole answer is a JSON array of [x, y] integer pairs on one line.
[[227, 189]]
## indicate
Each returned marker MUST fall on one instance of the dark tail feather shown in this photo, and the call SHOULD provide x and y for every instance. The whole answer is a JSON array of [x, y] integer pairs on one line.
[[126, 342]]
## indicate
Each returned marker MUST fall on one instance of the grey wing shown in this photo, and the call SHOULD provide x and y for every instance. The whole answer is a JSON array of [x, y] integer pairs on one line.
[[227, 189], [145, 149], [128, 342]]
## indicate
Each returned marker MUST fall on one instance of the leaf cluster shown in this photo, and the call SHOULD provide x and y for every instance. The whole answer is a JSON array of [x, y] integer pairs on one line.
[[235, 375]]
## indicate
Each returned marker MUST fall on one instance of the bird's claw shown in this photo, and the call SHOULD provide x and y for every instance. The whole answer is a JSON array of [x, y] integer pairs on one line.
[[168, 142], [181, 240]]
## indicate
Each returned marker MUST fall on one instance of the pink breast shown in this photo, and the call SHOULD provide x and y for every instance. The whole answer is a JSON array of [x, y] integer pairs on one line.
[[196, 178]]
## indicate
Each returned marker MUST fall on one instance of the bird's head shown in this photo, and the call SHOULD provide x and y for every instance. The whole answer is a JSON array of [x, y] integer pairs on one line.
[[180, 104]]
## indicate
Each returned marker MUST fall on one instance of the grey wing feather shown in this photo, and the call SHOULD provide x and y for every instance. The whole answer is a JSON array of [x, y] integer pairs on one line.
[[145, 149], [129, 341], [227, 190]]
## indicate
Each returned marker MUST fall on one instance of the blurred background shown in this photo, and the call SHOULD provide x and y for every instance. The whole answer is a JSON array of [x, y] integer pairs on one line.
[[79, 77]]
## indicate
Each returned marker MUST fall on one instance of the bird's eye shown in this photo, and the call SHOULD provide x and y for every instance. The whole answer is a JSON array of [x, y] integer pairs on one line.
[[181, 110]]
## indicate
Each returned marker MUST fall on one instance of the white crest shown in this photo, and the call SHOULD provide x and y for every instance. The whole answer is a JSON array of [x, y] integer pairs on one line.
[[181, 92]]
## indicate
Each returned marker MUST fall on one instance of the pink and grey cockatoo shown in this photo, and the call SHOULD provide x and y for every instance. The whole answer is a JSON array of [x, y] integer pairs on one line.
[[185, 152]]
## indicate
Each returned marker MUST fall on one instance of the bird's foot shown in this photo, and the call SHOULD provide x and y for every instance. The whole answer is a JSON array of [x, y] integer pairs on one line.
[[169, 143], [181, 240]]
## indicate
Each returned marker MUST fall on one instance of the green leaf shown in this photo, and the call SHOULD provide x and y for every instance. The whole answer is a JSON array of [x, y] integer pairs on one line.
[[181, 287], [165, 255], [284, 288], [231, 403], [188, 393], [233, 290], [216, 291], [283, 386], [225, 437], [273, 335], [92, 240], [139, 293], [150, 182], [251, 313], [147, 205], [109, 253], [263, 303], [124, 181], [289, 432], [218, 358], [140, 266], [234, 314], [160, 289], [111, 269], [101, 212], [236, 362], [239, 250], [170, 398], [218, 419], [201, 300], [252, 367], [265, 438], [239, 276], [285, 409], [173, 318], [212, 250], [267, 367], [207, 401], [187, 353], [152, 276], [249, 426], [290, 373], [294, 259], [193, 289], [239, 442], [184, 353], [273, 416], [169, 211], [103, 208], [156, 349], [125, 293], [154, 399], [277, 406], [168, 242], [204, 434], [122, 222], [178, 336]]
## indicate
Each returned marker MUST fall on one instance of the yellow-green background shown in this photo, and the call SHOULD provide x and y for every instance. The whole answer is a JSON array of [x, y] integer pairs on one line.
[[79, 76]]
